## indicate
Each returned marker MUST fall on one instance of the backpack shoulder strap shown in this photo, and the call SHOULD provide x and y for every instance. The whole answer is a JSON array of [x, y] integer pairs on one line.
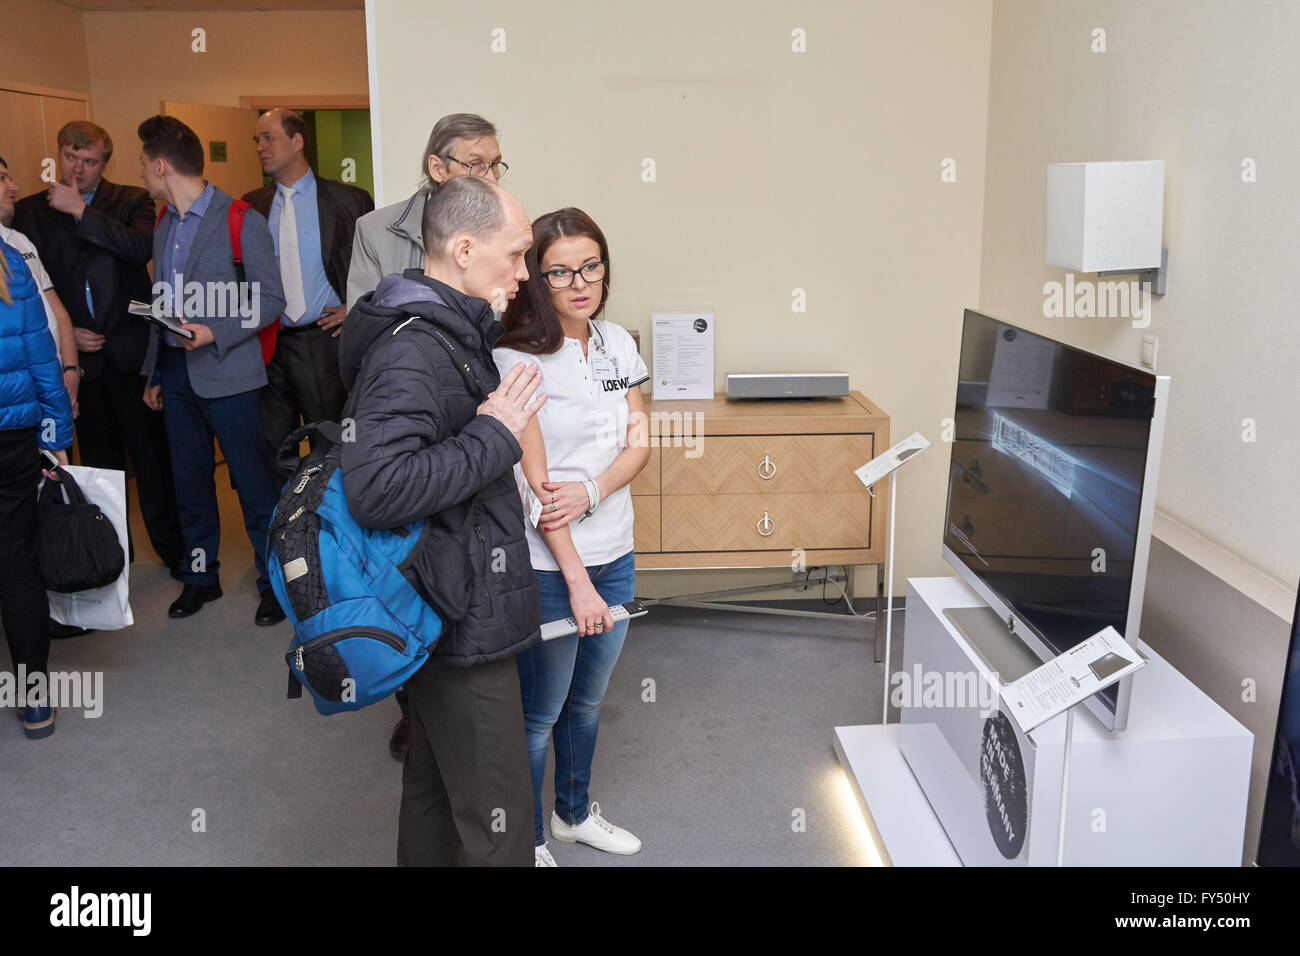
[[472, 381], [458, 358], [235, 225]]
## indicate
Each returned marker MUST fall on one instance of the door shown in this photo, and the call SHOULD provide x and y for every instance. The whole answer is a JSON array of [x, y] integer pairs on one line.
[[29, 127], [21, 142], [229, 159]]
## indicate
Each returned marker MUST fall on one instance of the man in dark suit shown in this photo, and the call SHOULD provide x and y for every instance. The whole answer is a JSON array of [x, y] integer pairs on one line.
[[95, 238], [312, 220]]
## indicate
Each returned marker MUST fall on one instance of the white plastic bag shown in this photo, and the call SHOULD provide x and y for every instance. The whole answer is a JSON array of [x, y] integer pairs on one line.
[[107, 608]]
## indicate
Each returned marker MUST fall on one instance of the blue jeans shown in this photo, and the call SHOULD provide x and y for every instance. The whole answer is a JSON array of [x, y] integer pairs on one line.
[[563, 682]]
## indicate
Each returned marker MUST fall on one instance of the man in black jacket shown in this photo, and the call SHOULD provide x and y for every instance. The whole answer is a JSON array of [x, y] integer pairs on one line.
[[424, 445], [95, 239], [312, 220]]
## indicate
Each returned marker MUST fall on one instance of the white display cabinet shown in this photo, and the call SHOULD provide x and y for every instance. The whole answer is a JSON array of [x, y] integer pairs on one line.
[[1169, 790]]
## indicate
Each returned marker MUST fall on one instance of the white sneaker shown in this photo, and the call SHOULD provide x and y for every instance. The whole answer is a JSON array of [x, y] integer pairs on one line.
[[542, 856], [596, 831]]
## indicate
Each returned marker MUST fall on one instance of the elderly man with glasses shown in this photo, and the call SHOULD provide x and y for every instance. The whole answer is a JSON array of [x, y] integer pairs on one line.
[[388, 240]]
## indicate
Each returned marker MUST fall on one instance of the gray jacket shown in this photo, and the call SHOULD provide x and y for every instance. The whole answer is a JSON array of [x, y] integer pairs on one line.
[[387, 241], [233, 362]]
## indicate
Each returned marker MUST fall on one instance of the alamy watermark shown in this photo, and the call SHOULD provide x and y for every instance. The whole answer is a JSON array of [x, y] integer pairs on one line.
[[209, 300], [65, 690], [673, 429], [1085, 299], [923, 688], [75, 908]]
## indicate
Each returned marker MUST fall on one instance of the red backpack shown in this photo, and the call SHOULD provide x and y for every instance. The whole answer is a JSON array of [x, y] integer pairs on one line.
[[234, 223]]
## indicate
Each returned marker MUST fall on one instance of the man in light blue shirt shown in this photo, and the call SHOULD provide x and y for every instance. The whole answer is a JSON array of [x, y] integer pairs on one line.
[[318, 296], [312, 220], [181, 231]]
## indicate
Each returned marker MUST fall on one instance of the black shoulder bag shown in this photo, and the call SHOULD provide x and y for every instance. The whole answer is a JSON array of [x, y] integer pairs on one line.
[[78, 544]]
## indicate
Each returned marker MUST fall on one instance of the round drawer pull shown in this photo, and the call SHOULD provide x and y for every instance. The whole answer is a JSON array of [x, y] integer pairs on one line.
[[766, 522], [767, 467]]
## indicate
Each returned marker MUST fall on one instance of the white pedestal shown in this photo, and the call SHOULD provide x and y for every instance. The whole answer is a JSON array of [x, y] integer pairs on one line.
[[891, 798], [1169, 790]]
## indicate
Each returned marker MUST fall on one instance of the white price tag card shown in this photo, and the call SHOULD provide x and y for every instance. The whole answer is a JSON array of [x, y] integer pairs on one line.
[[880, 466], [1065, 680]]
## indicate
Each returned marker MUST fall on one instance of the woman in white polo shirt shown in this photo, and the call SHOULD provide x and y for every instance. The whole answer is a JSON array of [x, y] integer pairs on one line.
[[579, 454]]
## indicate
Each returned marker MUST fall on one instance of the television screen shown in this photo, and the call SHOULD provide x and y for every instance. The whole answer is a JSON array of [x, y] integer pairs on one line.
[[1049, 466], [1279, 834]]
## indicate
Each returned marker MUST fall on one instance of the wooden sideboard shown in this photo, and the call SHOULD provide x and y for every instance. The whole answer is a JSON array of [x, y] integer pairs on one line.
[[744, 484]]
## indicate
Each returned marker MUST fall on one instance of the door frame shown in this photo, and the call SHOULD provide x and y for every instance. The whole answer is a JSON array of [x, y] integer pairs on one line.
[[46, 91], [328, 101]]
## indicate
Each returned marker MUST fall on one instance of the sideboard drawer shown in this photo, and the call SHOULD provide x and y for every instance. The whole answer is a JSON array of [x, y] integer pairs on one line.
[[645, 523], [767, 464], [718, 466], [646, 481], [736, 522]]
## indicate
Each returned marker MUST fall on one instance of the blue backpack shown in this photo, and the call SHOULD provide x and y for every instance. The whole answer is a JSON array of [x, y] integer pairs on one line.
[[360, 626]]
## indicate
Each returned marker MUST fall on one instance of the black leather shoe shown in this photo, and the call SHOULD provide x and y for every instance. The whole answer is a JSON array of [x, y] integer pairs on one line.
[[268, 611], [401, 735], [193, 597], [57, 630]]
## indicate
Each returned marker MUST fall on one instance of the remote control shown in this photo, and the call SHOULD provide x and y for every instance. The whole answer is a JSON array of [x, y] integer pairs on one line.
[[565, 626]]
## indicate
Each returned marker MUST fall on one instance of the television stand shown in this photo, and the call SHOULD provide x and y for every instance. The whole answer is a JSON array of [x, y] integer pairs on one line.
[[987, 635], [1168, 790]]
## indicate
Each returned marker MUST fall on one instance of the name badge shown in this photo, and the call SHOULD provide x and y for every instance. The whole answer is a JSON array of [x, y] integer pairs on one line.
[[604, 366]]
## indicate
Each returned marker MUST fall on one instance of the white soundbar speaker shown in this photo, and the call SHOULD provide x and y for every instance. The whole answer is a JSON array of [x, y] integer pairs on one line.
[[787, 384]]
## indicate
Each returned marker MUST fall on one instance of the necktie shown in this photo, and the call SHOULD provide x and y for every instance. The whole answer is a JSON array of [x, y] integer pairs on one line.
[[295, 302]]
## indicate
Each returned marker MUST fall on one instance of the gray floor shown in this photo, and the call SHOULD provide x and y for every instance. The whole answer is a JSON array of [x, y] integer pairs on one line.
[[198, 757]]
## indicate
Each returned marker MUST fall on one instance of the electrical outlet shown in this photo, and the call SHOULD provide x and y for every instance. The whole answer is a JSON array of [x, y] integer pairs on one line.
[[1150, 346]]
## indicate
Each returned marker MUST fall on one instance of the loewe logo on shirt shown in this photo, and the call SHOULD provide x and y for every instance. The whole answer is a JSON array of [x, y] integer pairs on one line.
[[614, 384]]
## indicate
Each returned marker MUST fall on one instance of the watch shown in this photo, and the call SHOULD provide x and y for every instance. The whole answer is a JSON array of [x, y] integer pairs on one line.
[[81, 372]]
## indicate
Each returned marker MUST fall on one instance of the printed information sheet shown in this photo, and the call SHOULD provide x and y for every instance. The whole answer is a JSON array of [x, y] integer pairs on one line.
[[880, 466], [683, 354], [1061, 683]]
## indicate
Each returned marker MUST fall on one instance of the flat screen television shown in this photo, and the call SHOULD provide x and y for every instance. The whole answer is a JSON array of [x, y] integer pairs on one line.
[[1279, 832], [1051, 489]]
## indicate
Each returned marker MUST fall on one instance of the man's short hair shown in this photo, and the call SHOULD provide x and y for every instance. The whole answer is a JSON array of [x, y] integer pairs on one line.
[[293, 124], [166, 137], [464, 204], [3, 163], [451, 127], [83, 134]]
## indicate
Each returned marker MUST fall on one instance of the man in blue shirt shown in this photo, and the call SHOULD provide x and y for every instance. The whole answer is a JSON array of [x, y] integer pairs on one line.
[[312, 220], [209, 385]]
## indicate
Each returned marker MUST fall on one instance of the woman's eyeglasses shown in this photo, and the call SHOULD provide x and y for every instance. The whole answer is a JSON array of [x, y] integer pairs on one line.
[[563, 278]]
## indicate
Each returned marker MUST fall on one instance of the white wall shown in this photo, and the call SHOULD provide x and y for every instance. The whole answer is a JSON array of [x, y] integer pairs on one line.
[[43, 45], [775, 170], [1201, 84], [247, 53]]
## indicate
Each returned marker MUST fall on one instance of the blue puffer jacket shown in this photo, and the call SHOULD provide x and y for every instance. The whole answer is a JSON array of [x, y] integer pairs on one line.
[[31, 382]]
